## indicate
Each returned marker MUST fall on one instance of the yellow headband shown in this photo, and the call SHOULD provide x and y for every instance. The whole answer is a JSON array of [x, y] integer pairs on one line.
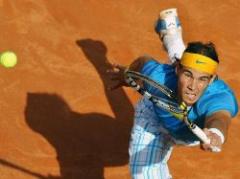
[[199, 62]]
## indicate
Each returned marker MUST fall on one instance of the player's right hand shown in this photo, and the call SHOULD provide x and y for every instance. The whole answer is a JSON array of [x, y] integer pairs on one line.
[[215, 142]]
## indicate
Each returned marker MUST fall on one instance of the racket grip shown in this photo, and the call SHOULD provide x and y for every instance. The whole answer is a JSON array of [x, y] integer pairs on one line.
[[203, 137]]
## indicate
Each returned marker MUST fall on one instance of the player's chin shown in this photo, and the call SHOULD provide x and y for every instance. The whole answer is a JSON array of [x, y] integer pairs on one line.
[[190, 101]]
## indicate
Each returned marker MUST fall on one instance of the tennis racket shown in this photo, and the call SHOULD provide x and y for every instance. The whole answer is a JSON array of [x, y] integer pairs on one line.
[[168, 103]]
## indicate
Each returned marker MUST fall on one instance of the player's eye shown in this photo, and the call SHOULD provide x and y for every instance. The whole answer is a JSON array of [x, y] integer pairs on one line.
[[204, 79], [187, 74]]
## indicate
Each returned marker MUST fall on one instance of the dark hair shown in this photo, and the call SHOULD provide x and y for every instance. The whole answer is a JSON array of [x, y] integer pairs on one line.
[[206, 49]]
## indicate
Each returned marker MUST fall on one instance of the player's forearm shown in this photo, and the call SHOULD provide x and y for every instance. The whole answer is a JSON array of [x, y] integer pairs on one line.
[[138, 64], [219, 120]]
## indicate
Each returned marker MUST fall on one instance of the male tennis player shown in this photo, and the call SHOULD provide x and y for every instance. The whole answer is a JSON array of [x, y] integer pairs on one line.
[[211, 103]]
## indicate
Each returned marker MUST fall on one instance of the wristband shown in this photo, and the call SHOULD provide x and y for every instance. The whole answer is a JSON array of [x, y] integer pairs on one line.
[[219, 133]]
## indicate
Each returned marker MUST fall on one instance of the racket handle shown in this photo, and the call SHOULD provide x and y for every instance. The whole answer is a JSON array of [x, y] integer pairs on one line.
[[203, 137]]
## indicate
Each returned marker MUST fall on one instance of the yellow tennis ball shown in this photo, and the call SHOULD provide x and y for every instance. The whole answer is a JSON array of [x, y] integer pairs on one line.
[[8, 59]]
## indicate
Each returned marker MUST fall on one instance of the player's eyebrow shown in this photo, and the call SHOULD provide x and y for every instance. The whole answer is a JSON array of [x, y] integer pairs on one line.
[[207, 77]]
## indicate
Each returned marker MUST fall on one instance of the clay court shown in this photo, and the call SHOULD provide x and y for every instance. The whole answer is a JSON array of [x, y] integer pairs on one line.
[[58, 120]]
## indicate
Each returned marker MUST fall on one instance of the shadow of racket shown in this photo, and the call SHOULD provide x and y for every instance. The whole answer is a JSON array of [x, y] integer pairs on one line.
[[24, 170]]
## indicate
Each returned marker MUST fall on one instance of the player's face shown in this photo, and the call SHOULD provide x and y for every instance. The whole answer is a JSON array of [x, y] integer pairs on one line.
[[191, 84]]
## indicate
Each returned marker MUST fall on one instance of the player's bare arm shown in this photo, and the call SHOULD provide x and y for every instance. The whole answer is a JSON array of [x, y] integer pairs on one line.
[[216, 128]]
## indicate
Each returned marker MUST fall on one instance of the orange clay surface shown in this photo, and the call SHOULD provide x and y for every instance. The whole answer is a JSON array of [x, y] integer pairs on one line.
[[58, 120]]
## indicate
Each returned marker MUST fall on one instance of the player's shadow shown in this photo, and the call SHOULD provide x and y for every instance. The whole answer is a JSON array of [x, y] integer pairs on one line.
[[85, 143]]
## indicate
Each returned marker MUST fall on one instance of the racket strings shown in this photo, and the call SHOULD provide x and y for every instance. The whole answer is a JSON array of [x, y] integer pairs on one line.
[[136, 75], [136, 79], [179, 111]]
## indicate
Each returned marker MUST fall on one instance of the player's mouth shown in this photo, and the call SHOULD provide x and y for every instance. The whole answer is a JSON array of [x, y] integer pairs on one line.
[[190, 96]]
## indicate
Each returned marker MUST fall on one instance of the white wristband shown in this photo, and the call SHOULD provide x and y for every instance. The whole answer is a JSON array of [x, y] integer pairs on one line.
[[219, 133]]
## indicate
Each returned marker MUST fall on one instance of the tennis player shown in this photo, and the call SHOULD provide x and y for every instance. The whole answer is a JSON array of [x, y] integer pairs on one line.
[[211, 103]]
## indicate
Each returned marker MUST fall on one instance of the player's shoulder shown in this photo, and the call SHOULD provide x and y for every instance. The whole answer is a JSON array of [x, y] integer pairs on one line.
[[217, 91], [161, 73], [218, 96], [155, 67], [218, 86]]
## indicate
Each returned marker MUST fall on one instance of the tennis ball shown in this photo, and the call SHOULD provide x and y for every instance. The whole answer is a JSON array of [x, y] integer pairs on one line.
[[8, 59]]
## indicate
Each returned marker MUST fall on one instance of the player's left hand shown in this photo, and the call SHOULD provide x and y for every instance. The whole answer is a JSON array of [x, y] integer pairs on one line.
[[215, 141], [117, 77]]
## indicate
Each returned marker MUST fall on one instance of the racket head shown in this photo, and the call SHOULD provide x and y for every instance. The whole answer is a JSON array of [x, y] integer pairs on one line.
[[167, 100], [140, 77]]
